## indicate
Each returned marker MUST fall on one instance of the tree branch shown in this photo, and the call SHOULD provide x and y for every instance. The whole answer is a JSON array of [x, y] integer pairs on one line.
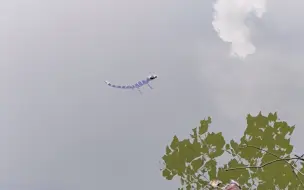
[[266, 164], [293, 167], [300, 157]]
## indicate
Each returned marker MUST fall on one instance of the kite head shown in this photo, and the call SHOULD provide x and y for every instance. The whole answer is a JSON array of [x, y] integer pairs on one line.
[[152, 77]]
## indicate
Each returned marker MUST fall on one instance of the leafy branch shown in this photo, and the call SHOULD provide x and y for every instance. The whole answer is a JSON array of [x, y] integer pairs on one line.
[[293, 167]]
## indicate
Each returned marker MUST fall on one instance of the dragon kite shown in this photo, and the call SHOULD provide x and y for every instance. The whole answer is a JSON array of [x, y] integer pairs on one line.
[[137, 85]]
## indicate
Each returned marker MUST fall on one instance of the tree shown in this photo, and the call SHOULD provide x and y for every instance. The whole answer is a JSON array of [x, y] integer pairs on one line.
[[261, 160]]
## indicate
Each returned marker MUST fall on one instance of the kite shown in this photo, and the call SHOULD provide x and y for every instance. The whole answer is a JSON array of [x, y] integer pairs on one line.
[[136, 85], [216, 184]]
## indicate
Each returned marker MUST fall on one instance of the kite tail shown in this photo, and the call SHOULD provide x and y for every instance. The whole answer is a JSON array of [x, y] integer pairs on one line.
[[118, 86], [109, 84]]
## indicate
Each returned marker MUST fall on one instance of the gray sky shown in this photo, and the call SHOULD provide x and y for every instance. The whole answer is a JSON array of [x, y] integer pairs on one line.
[[62, 128]]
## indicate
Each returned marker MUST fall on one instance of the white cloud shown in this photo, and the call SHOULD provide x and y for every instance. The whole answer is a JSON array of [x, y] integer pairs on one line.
[[229, 22]]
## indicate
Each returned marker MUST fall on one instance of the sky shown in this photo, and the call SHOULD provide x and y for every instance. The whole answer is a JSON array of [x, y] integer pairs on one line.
[[62, 128]]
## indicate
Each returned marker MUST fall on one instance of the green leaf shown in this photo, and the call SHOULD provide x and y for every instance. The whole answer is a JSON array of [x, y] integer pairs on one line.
[[167, 174], [168, 151], [204, 126], [174, 143], [217, 143], [196, 164], [211, 167]]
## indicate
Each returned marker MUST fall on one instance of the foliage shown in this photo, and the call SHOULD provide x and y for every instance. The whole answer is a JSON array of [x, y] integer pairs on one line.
[[194, 160]]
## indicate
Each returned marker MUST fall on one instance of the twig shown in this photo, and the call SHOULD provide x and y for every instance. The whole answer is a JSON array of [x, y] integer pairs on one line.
[[280, 159], [251, 146], [300, 157], [292, 167], [268, 163]]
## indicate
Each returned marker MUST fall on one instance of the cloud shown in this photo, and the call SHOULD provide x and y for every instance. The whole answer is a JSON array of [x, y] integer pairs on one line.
[[229, 23]]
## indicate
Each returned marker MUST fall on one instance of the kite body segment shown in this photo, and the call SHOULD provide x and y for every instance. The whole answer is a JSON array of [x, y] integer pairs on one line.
[[136, 85]]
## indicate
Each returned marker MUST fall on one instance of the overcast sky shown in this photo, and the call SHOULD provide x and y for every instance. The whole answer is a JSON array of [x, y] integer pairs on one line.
[[62, 128]]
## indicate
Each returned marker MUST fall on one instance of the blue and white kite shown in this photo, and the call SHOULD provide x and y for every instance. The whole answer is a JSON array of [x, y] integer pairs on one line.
[[136, 85]]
